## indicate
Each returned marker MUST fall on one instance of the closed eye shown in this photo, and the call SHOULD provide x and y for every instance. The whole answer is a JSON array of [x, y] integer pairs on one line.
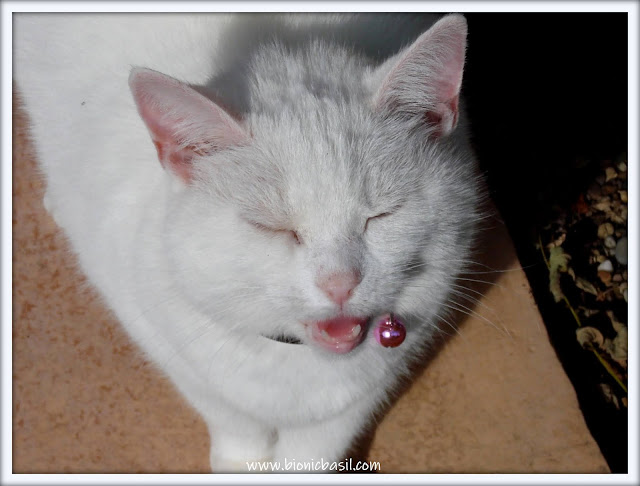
[[269, 230], [377, 216]]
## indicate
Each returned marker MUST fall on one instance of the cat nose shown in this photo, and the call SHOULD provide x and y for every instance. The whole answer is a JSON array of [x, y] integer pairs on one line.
[[339, 286]]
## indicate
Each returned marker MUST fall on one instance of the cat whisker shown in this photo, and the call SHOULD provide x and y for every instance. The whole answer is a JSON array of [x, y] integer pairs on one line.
[[484, 282], [477, 302], [447, 321], [456, 306], [468, 289]]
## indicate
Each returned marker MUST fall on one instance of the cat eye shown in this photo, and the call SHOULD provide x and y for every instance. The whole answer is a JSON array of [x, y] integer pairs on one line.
[[296, 237], [268, 229], [377, 216]]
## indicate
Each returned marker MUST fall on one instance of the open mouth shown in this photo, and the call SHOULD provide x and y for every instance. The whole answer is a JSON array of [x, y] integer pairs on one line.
[[341, 334], [338, 335]]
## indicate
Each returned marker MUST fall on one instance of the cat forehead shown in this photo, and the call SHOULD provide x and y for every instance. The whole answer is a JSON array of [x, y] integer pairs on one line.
[[312, 112], [318, 128], [313, 163], [327, 162], [286, 76]]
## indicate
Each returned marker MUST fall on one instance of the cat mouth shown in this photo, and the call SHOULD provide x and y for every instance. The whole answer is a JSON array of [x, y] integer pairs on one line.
[[284, 338], [338, 335]]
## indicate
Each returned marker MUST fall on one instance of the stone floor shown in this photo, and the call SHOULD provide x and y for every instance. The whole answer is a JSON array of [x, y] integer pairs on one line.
[[494, 398]]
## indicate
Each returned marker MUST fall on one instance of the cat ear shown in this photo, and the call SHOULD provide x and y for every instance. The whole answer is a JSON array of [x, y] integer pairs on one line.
[[426, 77], [183, 123]]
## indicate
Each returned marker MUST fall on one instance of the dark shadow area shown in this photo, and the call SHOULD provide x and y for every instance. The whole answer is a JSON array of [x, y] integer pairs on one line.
[[547, 99]]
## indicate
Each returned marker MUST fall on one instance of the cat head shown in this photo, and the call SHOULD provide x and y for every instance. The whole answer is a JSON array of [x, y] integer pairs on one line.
[[345, 191]]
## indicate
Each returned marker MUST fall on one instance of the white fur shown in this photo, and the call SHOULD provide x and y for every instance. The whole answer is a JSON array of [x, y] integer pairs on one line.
[[192, 279]]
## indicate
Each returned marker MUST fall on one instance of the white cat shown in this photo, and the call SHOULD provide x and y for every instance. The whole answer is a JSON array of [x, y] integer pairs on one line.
[[306, 188]]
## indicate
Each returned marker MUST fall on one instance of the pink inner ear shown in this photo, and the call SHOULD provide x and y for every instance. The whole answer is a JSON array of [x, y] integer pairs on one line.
[[176, 159], [183, 123], [443, 117], [428, 75]]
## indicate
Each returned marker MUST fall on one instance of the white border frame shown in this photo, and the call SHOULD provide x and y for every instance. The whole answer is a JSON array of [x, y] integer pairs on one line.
[[9, 7]]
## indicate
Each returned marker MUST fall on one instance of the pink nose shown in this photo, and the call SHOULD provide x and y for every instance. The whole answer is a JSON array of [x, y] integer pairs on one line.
[[339, 286]]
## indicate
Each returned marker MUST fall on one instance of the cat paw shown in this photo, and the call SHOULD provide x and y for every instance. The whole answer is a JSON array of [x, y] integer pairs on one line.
[[246, 453], [46, 201], [48, 205]]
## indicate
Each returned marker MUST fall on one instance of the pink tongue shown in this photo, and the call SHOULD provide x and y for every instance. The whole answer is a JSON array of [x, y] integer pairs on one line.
[[339, 335], [341, 327]]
